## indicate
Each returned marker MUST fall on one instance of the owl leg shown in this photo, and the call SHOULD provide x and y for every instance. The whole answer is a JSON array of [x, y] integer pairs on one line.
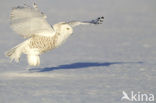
[[33, 57], [33, 60]]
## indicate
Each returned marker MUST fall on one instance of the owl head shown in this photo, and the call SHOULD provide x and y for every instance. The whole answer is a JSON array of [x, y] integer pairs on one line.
[[63, 28]]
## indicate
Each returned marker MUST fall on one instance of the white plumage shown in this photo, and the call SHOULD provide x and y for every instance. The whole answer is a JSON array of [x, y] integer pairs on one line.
[[31, 23]]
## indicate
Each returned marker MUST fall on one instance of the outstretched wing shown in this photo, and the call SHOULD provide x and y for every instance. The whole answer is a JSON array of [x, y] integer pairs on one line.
[[99, 20], [28, 21]]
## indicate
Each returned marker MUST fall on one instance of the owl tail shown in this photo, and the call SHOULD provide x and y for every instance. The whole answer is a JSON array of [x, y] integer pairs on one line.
[[33, 60], [15, 53]]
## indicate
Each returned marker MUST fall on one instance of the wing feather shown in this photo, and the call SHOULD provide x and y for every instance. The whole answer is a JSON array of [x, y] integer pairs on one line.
[[99, 20], [29, 21]]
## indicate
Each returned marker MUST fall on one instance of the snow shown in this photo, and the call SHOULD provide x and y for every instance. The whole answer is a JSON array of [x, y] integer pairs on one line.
[[95, 64]]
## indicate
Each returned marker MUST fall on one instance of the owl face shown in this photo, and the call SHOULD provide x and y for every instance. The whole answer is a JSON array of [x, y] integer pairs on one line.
[[63, 28], [66, 29]]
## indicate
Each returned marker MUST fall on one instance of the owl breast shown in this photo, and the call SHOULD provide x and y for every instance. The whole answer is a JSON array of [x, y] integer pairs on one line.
[[43, 43], [61, 38]]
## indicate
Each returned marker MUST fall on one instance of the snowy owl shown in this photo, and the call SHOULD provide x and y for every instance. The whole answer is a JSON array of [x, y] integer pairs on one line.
[[41, 37]]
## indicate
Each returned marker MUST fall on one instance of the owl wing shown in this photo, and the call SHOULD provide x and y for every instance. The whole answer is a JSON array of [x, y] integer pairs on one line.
[[28, 21], [99, 20]]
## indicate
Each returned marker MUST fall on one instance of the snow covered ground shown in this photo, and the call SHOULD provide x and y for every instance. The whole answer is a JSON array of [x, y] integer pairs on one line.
[[95, 65]]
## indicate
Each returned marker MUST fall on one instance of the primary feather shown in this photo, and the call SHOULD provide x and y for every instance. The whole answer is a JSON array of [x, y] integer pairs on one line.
[[29, 21]]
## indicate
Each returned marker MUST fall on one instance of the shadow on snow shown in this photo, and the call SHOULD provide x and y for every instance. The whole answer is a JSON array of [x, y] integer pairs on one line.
[[80, 65]]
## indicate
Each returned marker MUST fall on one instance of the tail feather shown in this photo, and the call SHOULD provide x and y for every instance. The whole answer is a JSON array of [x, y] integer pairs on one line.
[[32, 54], [14, 53]]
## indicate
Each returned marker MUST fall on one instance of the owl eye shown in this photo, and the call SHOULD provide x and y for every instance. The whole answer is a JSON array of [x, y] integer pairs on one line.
[[67, 28]]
